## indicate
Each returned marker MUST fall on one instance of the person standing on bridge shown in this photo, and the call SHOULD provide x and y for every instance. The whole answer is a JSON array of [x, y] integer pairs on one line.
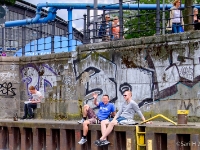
[[196, 19], [176, 17], [105, 29], [105, 110], [115, 28], [32, 103], [126, 112]]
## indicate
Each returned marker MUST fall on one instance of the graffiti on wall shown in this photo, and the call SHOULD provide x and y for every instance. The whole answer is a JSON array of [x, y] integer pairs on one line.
[[149, 78], [99, 76], [6, 89], [8, 76], [40, 76]]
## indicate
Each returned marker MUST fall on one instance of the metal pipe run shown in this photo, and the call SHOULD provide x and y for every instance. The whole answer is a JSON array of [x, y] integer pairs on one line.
[[50, 17], [53, 7]]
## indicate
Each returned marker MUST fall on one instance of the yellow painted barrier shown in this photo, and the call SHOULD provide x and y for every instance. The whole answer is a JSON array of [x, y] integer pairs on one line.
[[140, 132], [157, 116]]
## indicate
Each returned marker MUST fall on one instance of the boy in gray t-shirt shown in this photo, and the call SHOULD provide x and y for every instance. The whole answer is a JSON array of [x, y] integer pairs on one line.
[[32, 103], [127, 111]]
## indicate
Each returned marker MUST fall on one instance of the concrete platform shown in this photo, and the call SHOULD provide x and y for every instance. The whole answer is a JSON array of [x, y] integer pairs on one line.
[[38, 134]]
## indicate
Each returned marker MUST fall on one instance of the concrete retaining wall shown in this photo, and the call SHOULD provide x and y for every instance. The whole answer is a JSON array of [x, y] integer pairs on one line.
[[9, 87], [161, 71]]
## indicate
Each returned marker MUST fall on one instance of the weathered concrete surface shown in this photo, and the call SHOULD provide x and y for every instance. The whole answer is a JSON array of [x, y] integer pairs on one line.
[[50, 134], [161, 71], [9, 86]]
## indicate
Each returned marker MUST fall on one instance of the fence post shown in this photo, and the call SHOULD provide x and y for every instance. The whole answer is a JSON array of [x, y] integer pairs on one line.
[[52, 38], [95, 20], [158, 17], [88, 24], [121, 22], [70, 30], [84, 29], [163, 18]]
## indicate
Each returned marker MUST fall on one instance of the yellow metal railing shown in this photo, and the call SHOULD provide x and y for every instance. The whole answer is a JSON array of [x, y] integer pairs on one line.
[[157, 116], [140, 131]]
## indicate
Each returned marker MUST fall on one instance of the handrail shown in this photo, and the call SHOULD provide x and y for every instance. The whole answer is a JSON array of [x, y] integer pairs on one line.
[[159, 115]]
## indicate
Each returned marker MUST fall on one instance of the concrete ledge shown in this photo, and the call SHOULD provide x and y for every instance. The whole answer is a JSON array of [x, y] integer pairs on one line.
[[9, 59], [47, 57], [148, 41]]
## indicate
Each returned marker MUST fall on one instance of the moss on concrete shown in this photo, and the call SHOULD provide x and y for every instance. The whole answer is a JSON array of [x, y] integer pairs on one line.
[[151, 114], [74, 116], [94, 56], [80, 105]]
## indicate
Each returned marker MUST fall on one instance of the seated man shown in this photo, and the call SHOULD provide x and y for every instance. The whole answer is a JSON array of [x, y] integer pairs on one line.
[[32, 103], [127, 111], [105, 109]]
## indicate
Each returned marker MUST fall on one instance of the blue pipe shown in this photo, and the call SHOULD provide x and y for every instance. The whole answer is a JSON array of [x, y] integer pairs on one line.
[[126, 6], [80, 6], [51, 16], [38, 15], [55, 6], [70, 30]]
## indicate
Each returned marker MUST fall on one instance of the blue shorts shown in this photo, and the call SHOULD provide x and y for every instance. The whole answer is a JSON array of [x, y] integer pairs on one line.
[[118, 119]]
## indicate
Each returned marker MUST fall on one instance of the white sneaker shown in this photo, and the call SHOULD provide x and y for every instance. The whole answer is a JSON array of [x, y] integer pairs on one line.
[[81, 121], [82, 141], [106, 142]]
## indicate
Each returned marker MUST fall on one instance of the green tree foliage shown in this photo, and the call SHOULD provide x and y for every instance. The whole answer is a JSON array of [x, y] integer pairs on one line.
[[7, 2], [138, 23]]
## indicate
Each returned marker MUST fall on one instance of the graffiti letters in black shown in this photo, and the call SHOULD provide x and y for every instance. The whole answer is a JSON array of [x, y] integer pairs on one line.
[[125, 87], [6, 89]]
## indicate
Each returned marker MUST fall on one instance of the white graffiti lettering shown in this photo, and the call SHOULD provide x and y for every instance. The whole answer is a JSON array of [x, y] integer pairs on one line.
[[7, 76]]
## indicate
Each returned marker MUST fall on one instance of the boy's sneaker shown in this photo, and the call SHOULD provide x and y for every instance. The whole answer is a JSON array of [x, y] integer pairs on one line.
[[82, 141], [24, 117], [97, 142], [81, 121], [106, 142], [30, 117], [101, 142]]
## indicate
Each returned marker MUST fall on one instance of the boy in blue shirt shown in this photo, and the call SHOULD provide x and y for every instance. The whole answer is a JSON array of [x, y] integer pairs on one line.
[[105, 109], [127, 111]]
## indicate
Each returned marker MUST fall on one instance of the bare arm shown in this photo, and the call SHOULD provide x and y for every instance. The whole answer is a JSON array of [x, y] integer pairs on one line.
[[113, 114], [37, 101], [38, 98], [95, 99]]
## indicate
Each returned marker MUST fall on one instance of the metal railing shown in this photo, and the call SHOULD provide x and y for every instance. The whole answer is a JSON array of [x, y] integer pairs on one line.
[[53, 37]]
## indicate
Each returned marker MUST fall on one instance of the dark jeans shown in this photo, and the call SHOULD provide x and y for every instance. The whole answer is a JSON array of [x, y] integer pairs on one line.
[[176, 27], [28, 109], [118, 119]]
